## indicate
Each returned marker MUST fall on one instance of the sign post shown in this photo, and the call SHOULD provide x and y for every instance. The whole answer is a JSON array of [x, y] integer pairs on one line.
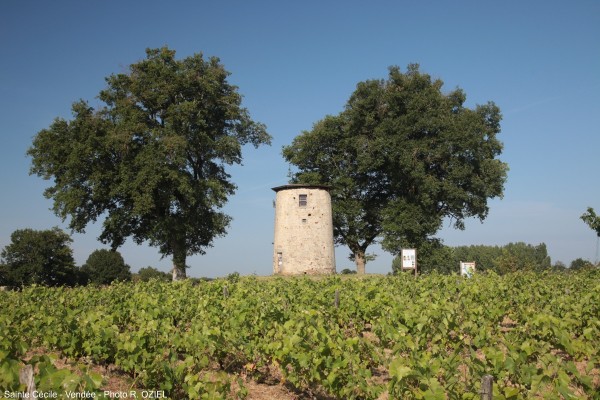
[[409, 260], [467, 269]]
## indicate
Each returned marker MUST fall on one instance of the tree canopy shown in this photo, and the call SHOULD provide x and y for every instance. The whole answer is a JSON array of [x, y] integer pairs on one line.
[[400, 158], [580, 263], [152, 159], [38, 257], [147, 273], [592, 220], [105, 266], [521, 256]]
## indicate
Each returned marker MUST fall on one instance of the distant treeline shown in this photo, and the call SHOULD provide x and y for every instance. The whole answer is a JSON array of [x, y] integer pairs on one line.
[[434, 256], [46, 258]]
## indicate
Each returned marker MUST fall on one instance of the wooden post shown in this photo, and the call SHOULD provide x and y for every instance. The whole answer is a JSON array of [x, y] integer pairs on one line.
[[336, 301], [416, 263], [225, 292], [487, 387], [26, 378]]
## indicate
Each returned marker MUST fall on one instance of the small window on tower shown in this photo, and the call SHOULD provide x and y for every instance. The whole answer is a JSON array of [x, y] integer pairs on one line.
[[302, 200]]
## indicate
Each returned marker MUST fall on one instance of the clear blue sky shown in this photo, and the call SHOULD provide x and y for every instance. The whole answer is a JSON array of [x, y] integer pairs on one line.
[[295, 62]]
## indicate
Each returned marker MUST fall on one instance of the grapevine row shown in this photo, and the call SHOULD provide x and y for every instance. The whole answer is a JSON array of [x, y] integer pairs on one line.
[[433, 337]]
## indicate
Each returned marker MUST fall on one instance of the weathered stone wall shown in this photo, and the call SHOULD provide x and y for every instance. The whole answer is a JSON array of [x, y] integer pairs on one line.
[[303, 233]]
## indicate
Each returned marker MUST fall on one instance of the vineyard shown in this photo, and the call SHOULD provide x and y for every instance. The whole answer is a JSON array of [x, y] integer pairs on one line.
[[376, 337]]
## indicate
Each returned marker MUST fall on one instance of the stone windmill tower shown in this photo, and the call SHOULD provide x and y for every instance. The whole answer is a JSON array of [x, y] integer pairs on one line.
[[303, 230]]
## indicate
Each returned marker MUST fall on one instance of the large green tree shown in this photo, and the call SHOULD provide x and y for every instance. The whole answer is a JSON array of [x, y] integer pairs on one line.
[[40, 257], [152, 159], [522, 257], [105, 266], [401, 157]]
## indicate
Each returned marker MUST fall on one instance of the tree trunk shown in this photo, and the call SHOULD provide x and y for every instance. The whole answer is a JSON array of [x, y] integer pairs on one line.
[[179, 256], [359, 259]]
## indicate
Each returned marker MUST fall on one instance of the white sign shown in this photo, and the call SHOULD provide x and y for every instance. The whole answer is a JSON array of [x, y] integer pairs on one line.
[[409, 259], [467, 269]]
